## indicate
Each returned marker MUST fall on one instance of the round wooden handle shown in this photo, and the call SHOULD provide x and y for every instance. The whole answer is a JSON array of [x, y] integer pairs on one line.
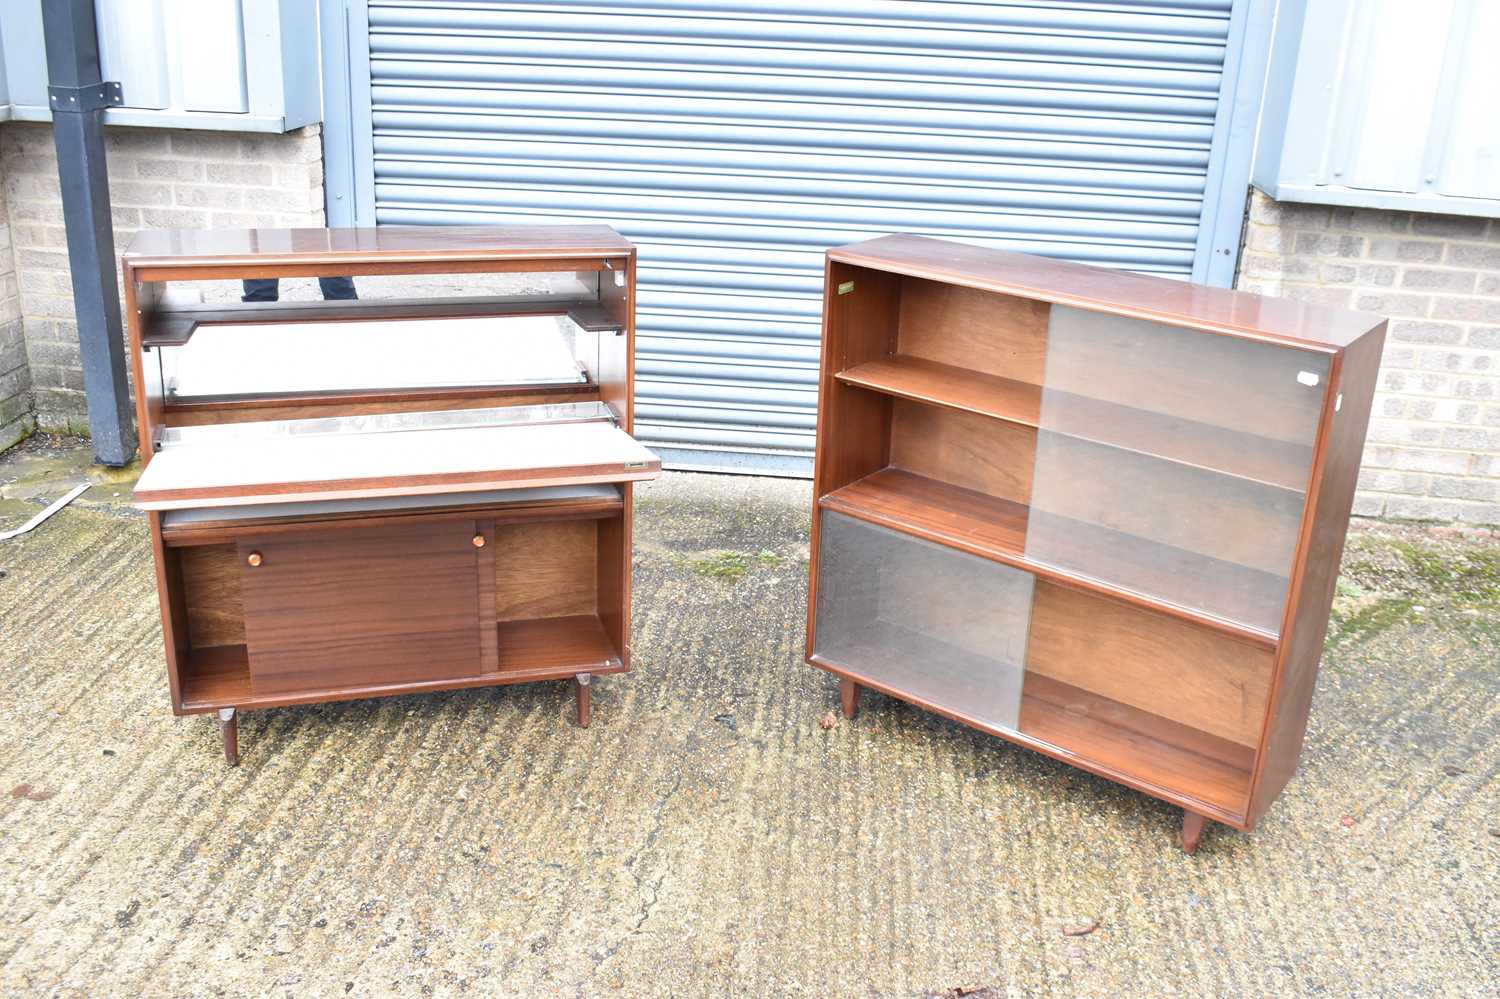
[[479, 541], [254, 558]]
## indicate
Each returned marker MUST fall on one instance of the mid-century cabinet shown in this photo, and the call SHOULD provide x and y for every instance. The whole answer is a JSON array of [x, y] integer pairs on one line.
[[391, 494], [1095, 513]]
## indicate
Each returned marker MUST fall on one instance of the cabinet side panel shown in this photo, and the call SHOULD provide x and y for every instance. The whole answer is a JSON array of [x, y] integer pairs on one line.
[[140, 303], [1313, 586], [174, 628], [616, 374], [854, 426], [613, 570]]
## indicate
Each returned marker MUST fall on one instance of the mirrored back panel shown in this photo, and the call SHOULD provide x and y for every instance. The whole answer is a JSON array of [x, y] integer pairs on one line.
[[232, 361]]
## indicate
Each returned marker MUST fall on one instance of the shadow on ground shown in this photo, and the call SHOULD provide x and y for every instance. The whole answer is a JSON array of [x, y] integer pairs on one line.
[[706, 836]]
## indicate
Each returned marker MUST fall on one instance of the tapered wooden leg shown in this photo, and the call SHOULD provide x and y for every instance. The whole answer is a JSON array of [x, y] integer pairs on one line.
[[1192, 830], [229, 728], [849, 695], [581, 686]]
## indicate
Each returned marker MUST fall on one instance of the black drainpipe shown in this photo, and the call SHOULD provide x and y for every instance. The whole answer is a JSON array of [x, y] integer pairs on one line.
[[78, 97]]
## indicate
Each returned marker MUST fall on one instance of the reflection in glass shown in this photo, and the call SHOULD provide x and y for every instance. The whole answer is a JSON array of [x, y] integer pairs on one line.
[[1174, 463], [942, 626]]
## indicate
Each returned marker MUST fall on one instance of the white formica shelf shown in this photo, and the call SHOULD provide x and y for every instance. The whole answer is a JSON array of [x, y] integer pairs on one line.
[[415, 462]]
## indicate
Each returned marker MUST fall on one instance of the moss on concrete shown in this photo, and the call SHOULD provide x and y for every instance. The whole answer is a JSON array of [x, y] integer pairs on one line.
[[731, 565]]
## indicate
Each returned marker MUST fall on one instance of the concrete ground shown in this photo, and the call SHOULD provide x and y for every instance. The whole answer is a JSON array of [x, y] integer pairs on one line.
[[706, 837]]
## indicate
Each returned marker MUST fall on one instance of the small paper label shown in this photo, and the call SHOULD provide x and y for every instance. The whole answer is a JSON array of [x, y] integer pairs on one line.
[[846, 287], [1308, 378]]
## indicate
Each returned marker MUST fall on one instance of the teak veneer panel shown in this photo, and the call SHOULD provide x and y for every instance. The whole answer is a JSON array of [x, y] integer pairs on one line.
[[219, 677], [210, 582], [973, 330], [382, 605], [963, 449], [1320, 551], [1148, 661], [546, 569]]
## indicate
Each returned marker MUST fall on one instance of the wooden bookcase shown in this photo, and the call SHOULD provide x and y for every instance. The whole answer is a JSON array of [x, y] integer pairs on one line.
[[359, 498], [1094, 513]]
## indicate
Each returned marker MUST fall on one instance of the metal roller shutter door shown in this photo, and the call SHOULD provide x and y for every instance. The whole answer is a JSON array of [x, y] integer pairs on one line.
[[734, 142]]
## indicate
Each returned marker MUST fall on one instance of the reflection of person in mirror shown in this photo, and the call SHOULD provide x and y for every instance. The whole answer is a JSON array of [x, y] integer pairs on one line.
[[269, 289]]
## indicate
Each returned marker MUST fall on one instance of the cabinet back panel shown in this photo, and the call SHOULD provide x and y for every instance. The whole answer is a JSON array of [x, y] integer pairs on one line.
[[211, 592], [546, 569], [972, 329], [1189, 675], [963, 449]]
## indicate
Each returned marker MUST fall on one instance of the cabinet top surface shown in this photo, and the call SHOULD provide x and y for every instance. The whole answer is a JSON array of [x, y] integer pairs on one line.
[[1179, 303], [188, 247]]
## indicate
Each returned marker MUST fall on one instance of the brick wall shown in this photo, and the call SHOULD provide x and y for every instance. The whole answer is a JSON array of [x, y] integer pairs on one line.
[[15, 376], [158, 178], [1433, 451]]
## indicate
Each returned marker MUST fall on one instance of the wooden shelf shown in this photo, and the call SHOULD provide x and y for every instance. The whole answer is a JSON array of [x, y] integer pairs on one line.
[[215, 677], [1156, 435], [174, 327], [1107, 738], [995, 528], [945, 385], [554, 647], [926, 508], [1124, 743]]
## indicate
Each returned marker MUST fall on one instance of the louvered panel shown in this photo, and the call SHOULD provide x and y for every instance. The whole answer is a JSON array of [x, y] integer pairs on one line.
[[734, 143]]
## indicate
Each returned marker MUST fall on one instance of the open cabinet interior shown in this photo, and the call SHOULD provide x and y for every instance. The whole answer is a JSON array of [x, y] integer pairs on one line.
[[371, 496], [1059, 520]]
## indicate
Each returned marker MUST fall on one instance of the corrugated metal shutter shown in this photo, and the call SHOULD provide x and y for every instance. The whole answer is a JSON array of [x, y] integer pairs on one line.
[[734, 142]]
